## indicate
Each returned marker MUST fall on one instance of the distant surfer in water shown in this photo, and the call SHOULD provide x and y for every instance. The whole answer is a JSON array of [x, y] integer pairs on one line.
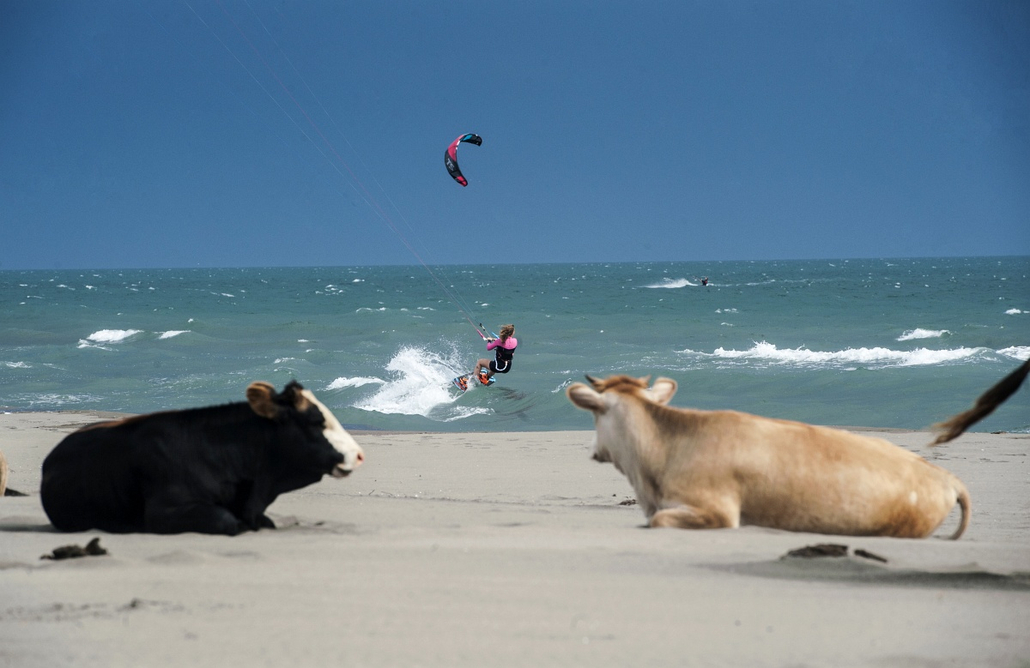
[[704, 281], [504, 348]]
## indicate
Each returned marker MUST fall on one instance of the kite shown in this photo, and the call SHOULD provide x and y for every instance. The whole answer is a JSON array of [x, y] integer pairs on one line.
[[450, 156]]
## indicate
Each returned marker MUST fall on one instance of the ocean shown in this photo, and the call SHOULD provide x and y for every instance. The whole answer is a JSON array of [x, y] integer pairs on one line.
[[899, 343]]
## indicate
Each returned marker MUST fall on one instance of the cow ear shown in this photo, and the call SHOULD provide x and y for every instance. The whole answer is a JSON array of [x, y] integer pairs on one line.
[[663, 390], [261, 397], [294, 394], [585, 397]]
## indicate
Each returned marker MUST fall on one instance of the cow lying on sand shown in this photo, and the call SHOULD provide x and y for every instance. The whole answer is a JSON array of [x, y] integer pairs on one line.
[[697, 469], [210, 470], [705, 469]]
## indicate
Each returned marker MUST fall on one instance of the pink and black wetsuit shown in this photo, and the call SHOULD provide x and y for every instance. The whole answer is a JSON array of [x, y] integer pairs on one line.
[[505, 350]]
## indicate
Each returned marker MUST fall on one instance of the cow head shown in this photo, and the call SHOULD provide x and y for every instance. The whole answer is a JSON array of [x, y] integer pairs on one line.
[[612, 402], [299, 408]]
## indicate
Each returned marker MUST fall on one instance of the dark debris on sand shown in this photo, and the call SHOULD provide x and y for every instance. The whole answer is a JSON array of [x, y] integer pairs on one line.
[[92, 549], [832, 550]]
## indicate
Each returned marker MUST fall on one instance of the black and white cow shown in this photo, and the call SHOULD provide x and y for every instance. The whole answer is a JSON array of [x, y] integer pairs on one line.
[[210, 470]]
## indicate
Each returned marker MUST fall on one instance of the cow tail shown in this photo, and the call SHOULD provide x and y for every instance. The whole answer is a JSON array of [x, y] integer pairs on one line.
[[964, 505], [985, 405]]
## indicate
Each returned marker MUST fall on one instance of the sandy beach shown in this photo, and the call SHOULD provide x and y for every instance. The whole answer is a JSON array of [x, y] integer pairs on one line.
[[512, 549]]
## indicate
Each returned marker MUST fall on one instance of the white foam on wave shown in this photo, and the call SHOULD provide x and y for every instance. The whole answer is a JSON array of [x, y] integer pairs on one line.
[[872, 357], [562, 385], [1021, 353], [102, 337], [112, 335], [56, 401], [671, 283], [918, 333], [16, 365], [421, 386], [172, 333], [1013, 311], [360, 381]]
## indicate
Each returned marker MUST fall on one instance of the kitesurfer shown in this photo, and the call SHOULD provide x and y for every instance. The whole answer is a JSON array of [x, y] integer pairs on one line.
[[704, 281], [504, 348]]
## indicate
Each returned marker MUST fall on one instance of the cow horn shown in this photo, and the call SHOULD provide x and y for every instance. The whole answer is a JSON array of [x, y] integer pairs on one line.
[[593, 381], [259, 396]]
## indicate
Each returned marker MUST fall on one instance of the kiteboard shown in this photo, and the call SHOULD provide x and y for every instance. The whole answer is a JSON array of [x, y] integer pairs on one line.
[[462, 382]]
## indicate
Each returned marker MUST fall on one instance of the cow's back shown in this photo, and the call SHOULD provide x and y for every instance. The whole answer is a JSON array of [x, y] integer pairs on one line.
[[801, 477], [90, 481]]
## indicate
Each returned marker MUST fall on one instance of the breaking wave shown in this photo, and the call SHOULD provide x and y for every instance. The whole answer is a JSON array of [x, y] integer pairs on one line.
[[878, 357], [914, 334], [1021, 353], [671, 283], [341, 383], [104, 337]]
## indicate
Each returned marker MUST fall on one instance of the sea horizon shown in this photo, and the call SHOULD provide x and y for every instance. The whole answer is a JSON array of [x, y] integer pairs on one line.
[[503, 264]]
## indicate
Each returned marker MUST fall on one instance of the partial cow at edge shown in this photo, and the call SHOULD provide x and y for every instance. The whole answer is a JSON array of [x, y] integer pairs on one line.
[[697, 469], [209, 470]]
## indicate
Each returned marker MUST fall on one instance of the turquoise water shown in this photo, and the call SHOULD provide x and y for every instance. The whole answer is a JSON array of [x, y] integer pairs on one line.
[[888, 343]]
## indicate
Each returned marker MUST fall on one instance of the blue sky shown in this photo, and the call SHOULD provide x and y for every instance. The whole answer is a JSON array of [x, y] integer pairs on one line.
[[255, 133]]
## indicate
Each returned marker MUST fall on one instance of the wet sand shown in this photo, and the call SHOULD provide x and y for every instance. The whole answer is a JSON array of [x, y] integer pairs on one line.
[[512, 549]]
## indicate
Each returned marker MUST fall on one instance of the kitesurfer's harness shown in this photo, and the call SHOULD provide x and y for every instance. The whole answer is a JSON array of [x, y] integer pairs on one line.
[[504, 354]]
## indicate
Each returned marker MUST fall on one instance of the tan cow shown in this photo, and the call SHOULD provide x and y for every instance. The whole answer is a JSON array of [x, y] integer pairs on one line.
[[697, 469]]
